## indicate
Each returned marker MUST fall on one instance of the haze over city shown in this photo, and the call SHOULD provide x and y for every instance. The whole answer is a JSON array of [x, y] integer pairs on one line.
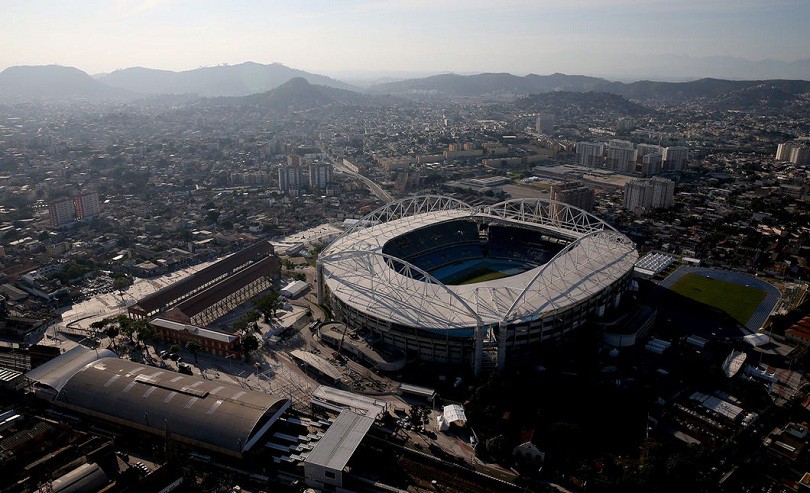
[[622, 39], [405, 246]]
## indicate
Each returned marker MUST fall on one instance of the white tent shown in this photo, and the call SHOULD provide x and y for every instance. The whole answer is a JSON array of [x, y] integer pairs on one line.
[[757, 339], [454, 413]]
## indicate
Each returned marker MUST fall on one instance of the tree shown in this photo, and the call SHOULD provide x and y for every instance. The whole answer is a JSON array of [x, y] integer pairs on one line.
[[268, 305], [251, 318], [249, 344], [112, 332], [121, 282], [127, 327], [499, 449], [98, 325], [145, 331], [194, 347]]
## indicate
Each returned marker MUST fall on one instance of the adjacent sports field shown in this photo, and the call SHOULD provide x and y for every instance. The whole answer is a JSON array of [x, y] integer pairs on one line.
[[737, 300]]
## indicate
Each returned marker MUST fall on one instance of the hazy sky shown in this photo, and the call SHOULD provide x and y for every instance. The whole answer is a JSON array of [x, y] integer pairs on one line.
[[336, 36]]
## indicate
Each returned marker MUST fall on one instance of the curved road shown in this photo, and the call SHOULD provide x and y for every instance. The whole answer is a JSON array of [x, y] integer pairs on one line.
[[372, 185]]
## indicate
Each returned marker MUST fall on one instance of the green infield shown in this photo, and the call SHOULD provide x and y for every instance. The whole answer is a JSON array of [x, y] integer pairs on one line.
[[735, 299], [480, 276]]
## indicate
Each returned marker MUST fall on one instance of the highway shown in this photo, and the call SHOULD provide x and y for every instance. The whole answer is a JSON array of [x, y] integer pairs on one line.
[[374, 187]]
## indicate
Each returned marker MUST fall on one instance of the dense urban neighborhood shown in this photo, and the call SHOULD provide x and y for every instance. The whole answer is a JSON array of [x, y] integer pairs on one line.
[[439, 284]]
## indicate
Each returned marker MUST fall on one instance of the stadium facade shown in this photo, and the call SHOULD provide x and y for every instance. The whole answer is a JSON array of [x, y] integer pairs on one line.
[[454, 283]]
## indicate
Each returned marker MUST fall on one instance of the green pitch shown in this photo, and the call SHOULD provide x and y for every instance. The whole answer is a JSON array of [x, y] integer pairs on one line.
[[737, 300], [481, 276]]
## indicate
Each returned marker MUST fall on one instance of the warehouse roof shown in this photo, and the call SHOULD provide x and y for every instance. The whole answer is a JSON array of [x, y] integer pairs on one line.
[[54, 374], [344, 435], [208, 297], [196, 281], [215, 415]]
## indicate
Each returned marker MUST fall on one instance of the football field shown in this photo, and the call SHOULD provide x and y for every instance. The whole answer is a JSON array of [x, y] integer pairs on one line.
[[737, 300]]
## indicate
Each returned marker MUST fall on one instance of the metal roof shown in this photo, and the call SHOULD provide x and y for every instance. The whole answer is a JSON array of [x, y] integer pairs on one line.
[[344, 435], [8, 375], [55, 373], [196, 281], [358, 273], [317, 362], [194, 329], [266, 267], [211, 414], [362, 404], [86, 477]]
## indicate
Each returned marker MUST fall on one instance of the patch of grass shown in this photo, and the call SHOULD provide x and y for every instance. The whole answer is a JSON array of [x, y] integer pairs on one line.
[[735, 299], [480, 276]]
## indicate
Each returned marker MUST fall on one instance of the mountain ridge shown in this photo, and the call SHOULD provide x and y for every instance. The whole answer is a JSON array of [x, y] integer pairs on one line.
[[505, 84], [222, 81], [54, 82]]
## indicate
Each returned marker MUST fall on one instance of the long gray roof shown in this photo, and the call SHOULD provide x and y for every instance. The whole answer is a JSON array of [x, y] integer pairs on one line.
[[212, 414], [337, 446]]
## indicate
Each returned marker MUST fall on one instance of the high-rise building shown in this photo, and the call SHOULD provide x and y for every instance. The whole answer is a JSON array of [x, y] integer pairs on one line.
[[545, 123], [590, 154], [67, 210], [572, 194], [320, 175], [675, 158], [289, 177], [644, 149], [293, 159], [649, 193], [86, 205], [625, 124], [651, 164], [797, 152], [621, 156], [62, 212], [800, 155], [783, 151]]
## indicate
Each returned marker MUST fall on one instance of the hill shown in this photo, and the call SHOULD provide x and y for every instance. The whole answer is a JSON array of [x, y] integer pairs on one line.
[[227, 80], [298, 94], [569, 104], [488, 84], [493, 85], [53, 82]]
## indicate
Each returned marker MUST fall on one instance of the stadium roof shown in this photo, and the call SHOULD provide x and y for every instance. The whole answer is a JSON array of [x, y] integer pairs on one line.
[[211, 414], [362, 276]]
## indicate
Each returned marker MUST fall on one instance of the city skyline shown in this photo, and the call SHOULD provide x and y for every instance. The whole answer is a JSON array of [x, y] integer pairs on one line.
[[592, 37]]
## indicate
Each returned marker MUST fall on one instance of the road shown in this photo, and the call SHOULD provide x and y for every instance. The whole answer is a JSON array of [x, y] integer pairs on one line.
[[373, 186]]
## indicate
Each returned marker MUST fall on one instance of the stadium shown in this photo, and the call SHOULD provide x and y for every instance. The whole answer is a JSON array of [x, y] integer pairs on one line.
[[453, 283]]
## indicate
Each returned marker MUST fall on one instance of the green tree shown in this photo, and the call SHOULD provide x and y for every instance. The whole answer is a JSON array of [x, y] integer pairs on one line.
[[268, 305], [194, 347], [121, 282], [249, 344], [145, 331], [127, 327], [98, 326]]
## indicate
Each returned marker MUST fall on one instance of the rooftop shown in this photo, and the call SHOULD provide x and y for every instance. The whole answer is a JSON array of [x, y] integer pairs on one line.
[[360, 275], [340, 441]]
